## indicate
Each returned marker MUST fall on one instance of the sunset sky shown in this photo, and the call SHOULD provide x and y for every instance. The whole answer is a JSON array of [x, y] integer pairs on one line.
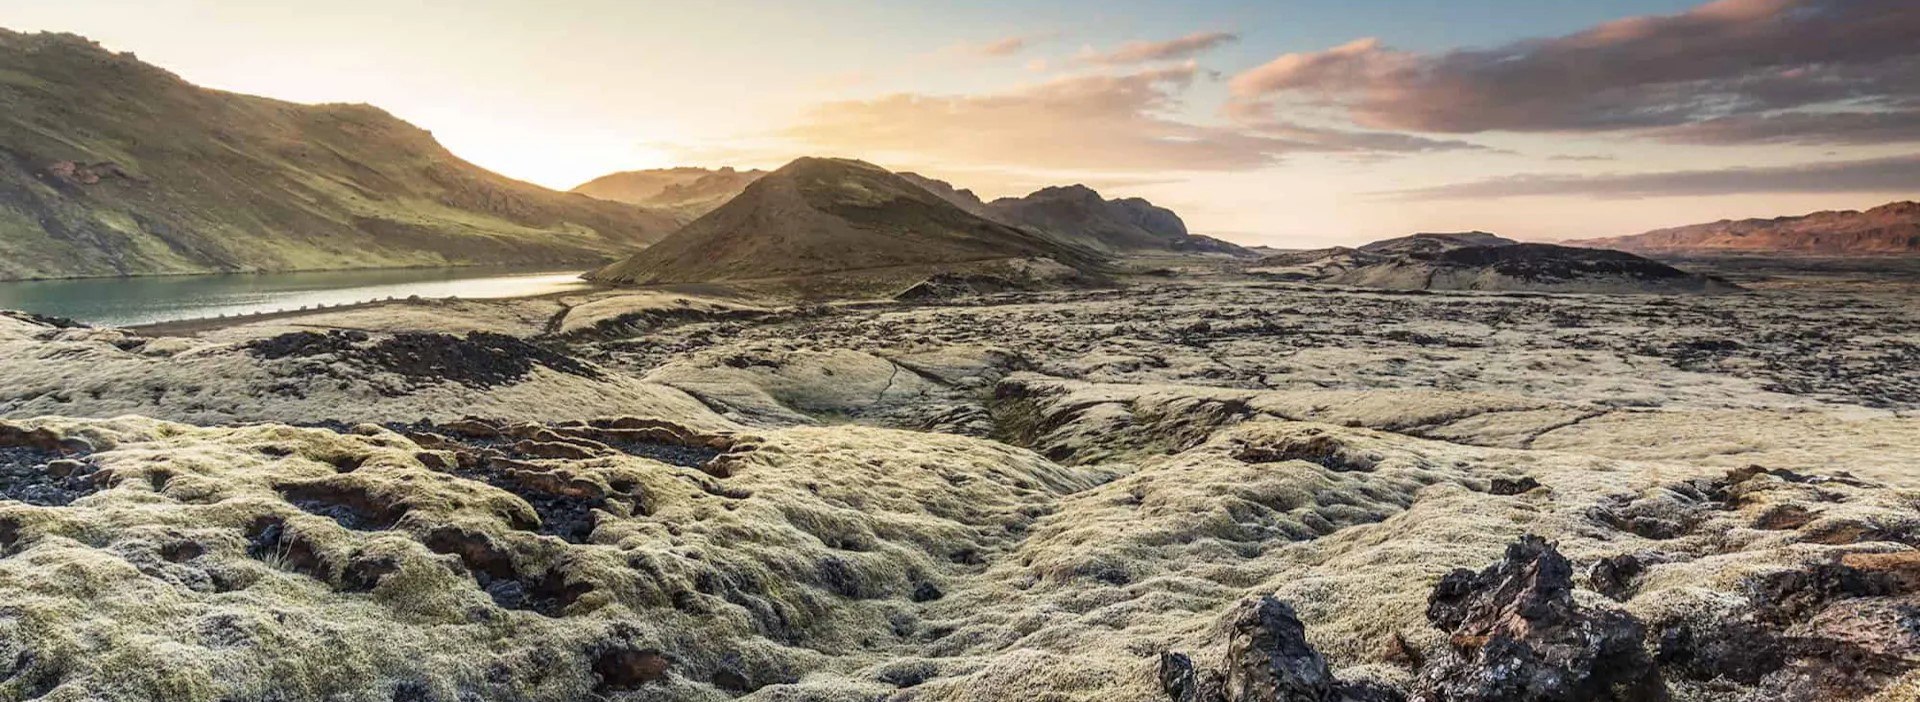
[[1281, 122]]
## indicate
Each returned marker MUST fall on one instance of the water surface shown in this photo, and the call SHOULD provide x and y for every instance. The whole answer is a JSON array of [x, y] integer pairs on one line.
[[147, 300]]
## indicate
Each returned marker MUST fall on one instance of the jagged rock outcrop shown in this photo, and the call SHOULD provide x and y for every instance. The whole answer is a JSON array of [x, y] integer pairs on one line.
[[1268, 659], [1518, 636]]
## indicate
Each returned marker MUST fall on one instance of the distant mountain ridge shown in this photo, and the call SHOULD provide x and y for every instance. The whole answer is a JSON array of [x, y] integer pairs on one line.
[[1891, 229], [687, 191], [819, 216], [1079, 215], [110, 166], [1074, 214]]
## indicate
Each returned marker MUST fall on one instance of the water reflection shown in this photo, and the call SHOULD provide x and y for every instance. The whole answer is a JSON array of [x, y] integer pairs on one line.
[[135, 301]]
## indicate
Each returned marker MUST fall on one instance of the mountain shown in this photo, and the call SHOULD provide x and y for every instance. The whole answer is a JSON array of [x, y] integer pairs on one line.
[[960, 197], [1079, 215], [820, 215], [690, 192], [110, 166], [1433, 243], [1521, 267], [1891, 229], [1483, 261]]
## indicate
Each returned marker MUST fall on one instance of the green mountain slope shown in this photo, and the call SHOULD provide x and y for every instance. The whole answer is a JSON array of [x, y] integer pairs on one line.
[[110, 166]]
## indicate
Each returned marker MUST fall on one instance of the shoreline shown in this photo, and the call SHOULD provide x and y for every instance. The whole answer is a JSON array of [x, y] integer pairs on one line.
[[198, 325], [528, 267]]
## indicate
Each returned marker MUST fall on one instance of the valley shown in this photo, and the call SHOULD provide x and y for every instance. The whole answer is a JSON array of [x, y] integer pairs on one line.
[[646, 494], [748, 352]]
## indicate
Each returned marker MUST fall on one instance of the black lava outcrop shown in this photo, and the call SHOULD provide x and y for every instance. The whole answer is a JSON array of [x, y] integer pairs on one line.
[[1516, 635], [1268, 659]]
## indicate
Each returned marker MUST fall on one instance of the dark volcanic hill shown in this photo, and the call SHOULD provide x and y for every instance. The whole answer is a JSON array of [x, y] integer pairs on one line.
[[1078, 215], [1433, 243], [819, 215], [1892, 229], [689, 192], [110, 166], [1519, 267]]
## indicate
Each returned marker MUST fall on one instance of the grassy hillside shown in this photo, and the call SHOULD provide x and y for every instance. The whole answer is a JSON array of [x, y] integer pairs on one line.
[[110, 166]]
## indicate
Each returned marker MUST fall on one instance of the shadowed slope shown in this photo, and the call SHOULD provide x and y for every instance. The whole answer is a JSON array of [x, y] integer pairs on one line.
[[110, 166]]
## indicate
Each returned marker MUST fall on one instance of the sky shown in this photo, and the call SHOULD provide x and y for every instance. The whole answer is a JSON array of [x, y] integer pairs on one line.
[[1290, 123]]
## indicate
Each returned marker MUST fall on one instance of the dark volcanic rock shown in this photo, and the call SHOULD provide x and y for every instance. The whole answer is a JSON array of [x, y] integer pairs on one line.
[[1518, 635], [1512, 486], [1268, 659], [1614, 576], [39, 467]]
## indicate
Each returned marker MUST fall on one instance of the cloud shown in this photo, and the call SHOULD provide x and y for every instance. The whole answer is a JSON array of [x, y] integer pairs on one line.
[[1151, 51], [1087, 122], [1881, 127], [1000, 48], [1899, 174], [1344, 140], [1113, 123], [1728, 58]]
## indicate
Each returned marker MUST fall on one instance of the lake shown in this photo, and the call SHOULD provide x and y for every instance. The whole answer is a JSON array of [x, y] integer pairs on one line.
[[148, 300]]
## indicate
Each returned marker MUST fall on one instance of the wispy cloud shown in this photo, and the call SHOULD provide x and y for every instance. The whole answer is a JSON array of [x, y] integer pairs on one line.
[[1002, 47], [1115, 123], [1730, 59], [1087, 122], [1881, 127], [1899, 174], [1140, 52]]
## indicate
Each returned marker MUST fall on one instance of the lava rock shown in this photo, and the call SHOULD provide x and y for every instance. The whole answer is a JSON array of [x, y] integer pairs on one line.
[[1268, 659], [1517, 635], [1614, 576], [1512, 486]]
